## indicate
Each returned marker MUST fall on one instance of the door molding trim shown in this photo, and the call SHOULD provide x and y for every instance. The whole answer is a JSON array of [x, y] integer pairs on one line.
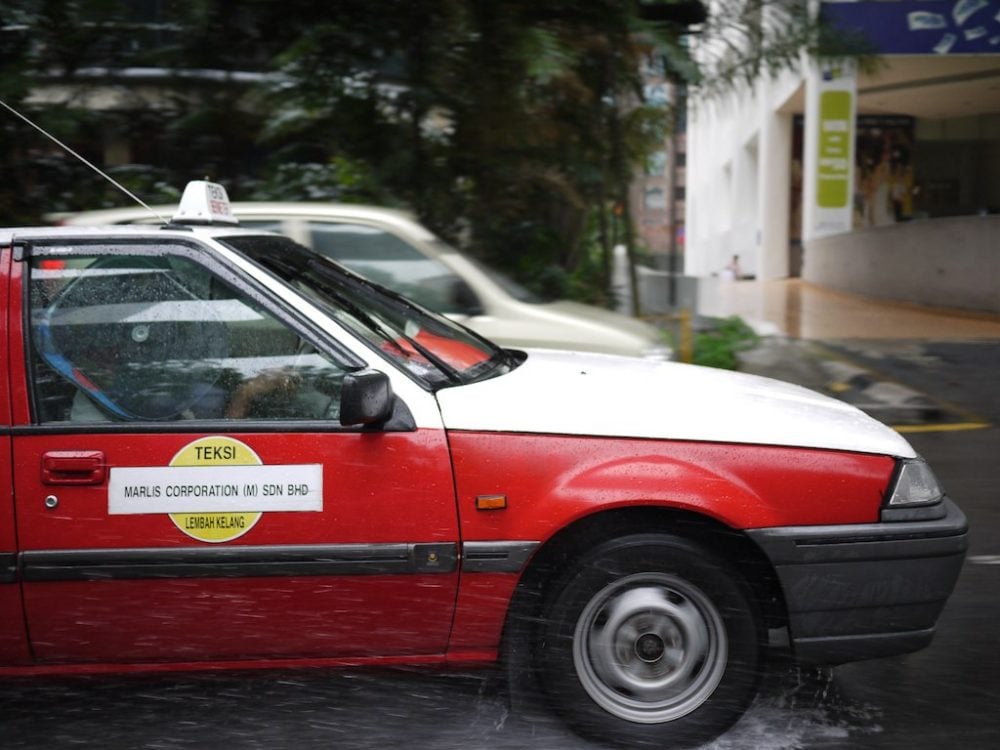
[[238, 562]]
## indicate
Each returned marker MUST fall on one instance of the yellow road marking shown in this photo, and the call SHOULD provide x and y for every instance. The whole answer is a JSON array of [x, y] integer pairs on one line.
[[949, 427]]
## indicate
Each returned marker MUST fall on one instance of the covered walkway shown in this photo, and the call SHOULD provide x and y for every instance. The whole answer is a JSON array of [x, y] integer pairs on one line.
[[798, 309]]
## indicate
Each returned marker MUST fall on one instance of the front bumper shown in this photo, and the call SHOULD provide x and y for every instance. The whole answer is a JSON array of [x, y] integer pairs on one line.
[[861, 591]]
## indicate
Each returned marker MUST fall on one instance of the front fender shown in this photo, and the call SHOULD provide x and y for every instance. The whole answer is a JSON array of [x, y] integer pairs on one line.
[[551, 480]]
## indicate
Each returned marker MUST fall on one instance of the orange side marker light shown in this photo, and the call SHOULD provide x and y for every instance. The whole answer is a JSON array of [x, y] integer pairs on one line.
[[491, 502]]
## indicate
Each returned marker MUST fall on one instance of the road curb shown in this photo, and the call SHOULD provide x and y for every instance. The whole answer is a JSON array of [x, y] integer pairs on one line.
[[818, 368], [886, 399]]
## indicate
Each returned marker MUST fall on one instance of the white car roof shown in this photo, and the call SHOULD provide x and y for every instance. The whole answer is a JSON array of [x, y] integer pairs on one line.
[[122, 230]]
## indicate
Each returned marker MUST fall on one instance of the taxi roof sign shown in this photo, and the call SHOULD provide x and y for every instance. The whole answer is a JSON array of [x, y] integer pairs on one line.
[[204, 203]]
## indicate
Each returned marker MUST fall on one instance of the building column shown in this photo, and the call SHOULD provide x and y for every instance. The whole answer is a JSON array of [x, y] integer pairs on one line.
[[775, 187]]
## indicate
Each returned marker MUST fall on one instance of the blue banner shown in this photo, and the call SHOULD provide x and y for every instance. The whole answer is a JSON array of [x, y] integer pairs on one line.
[[915, 27]]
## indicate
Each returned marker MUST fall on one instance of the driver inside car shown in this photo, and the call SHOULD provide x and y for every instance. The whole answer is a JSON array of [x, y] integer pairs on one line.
[[160, 339]]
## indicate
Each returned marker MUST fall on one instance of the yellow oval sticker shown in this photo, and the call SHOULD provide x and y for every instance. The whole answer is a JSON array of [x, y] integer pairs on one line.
[[216, 527]]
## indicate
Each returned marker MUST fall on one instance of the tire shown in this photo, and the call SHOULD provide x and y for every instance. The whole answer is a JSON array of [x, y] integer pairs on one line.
[[650, 639]]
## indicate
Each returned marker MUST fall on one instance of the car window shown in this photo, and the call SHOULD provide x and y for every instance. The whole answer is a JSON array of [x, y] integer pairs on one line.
[[387, 260], [434, 349], [135, 338]]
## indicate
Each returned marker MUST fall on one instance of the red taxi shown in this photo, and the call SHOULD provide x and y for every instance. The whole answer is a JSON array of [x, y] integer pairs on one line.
[[221, 450]]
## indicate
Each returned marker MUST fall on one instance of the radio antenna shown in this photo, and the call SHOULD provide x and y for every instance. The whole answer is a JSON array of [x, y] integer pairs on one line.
[[62, 145]]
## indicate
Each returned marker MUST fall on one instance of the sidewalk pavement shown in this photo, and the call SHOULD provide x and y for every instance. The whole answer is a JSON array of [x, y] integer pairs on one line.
[[803, 331]]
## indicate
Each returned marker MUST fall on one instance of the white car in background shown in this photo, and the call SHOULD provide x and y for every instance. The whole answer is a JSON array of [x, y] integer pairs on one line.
[[391, 248]]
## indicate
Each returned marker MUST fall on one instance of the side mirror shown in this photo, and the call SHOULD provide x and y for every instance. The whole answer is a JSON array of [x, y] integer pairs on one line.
[[365, 398]]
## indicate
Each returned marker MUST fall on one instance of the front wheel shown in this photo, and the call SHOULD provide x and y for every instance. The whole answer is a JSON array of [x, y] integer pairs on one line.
[[651, 638]]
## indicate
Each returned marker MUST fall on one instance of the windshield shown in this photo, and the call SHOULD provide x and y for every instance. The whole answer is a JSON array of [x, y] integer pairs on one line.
[[436, 350]]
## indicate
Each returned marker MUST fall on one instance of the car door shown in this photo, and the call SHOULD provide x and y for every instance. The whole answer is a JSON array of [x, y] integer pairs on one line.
[[185, 490], [13, 640]]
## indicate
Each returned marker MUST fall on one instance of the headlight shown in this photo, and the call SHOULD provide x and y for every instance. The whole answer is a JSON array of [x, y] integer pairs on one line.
[[915, 485]]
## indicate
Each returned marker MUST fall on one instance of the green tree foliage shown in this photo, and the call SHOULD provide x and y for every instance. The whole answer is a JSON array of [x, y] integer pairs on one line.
[[720, 346], [513, 124], [512, 127]]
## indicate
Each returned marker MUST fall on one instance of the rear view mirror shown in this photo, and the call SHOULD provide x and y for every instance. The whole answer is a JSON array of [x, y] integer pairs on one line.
[[365, 398]]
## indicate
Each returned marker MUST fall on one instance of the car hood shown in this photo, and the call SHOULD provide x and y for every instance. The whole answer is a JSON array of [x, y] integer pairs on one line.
[[571, 393]]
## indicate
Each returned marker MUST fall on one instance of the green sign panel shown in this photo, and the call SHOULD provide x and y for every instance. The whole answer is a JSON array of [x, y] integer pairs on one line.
[[835, 133]]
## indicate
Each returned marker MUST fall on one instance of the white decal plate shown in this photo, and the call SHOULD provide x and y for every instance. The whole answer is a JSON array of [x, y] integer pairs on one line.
[[215, 489]]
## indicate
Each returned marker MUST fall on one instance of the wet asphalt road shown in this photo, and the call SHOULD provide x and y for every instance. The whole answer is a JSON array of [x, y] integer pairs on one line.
[[945, 696]]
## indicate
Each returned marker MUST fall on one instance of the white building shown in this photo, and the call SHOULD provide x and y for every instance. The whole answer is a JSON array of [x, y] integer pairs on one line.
[[886, 184]]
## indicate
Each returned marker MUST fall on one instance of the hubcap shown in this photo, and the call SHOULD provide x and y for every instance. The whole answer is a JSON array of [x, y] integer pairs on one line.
[[650, 648]]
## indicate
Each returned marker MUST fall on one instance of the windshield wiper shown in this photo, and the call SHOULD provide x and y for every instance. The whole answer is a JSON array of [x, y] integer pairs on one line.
[[501, 362], [450, 372], [391, 337]]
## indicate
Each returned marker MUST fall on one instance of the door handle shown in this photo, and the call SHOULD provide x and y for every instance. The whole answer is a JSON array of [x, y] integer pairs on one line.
[[73, 467]]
